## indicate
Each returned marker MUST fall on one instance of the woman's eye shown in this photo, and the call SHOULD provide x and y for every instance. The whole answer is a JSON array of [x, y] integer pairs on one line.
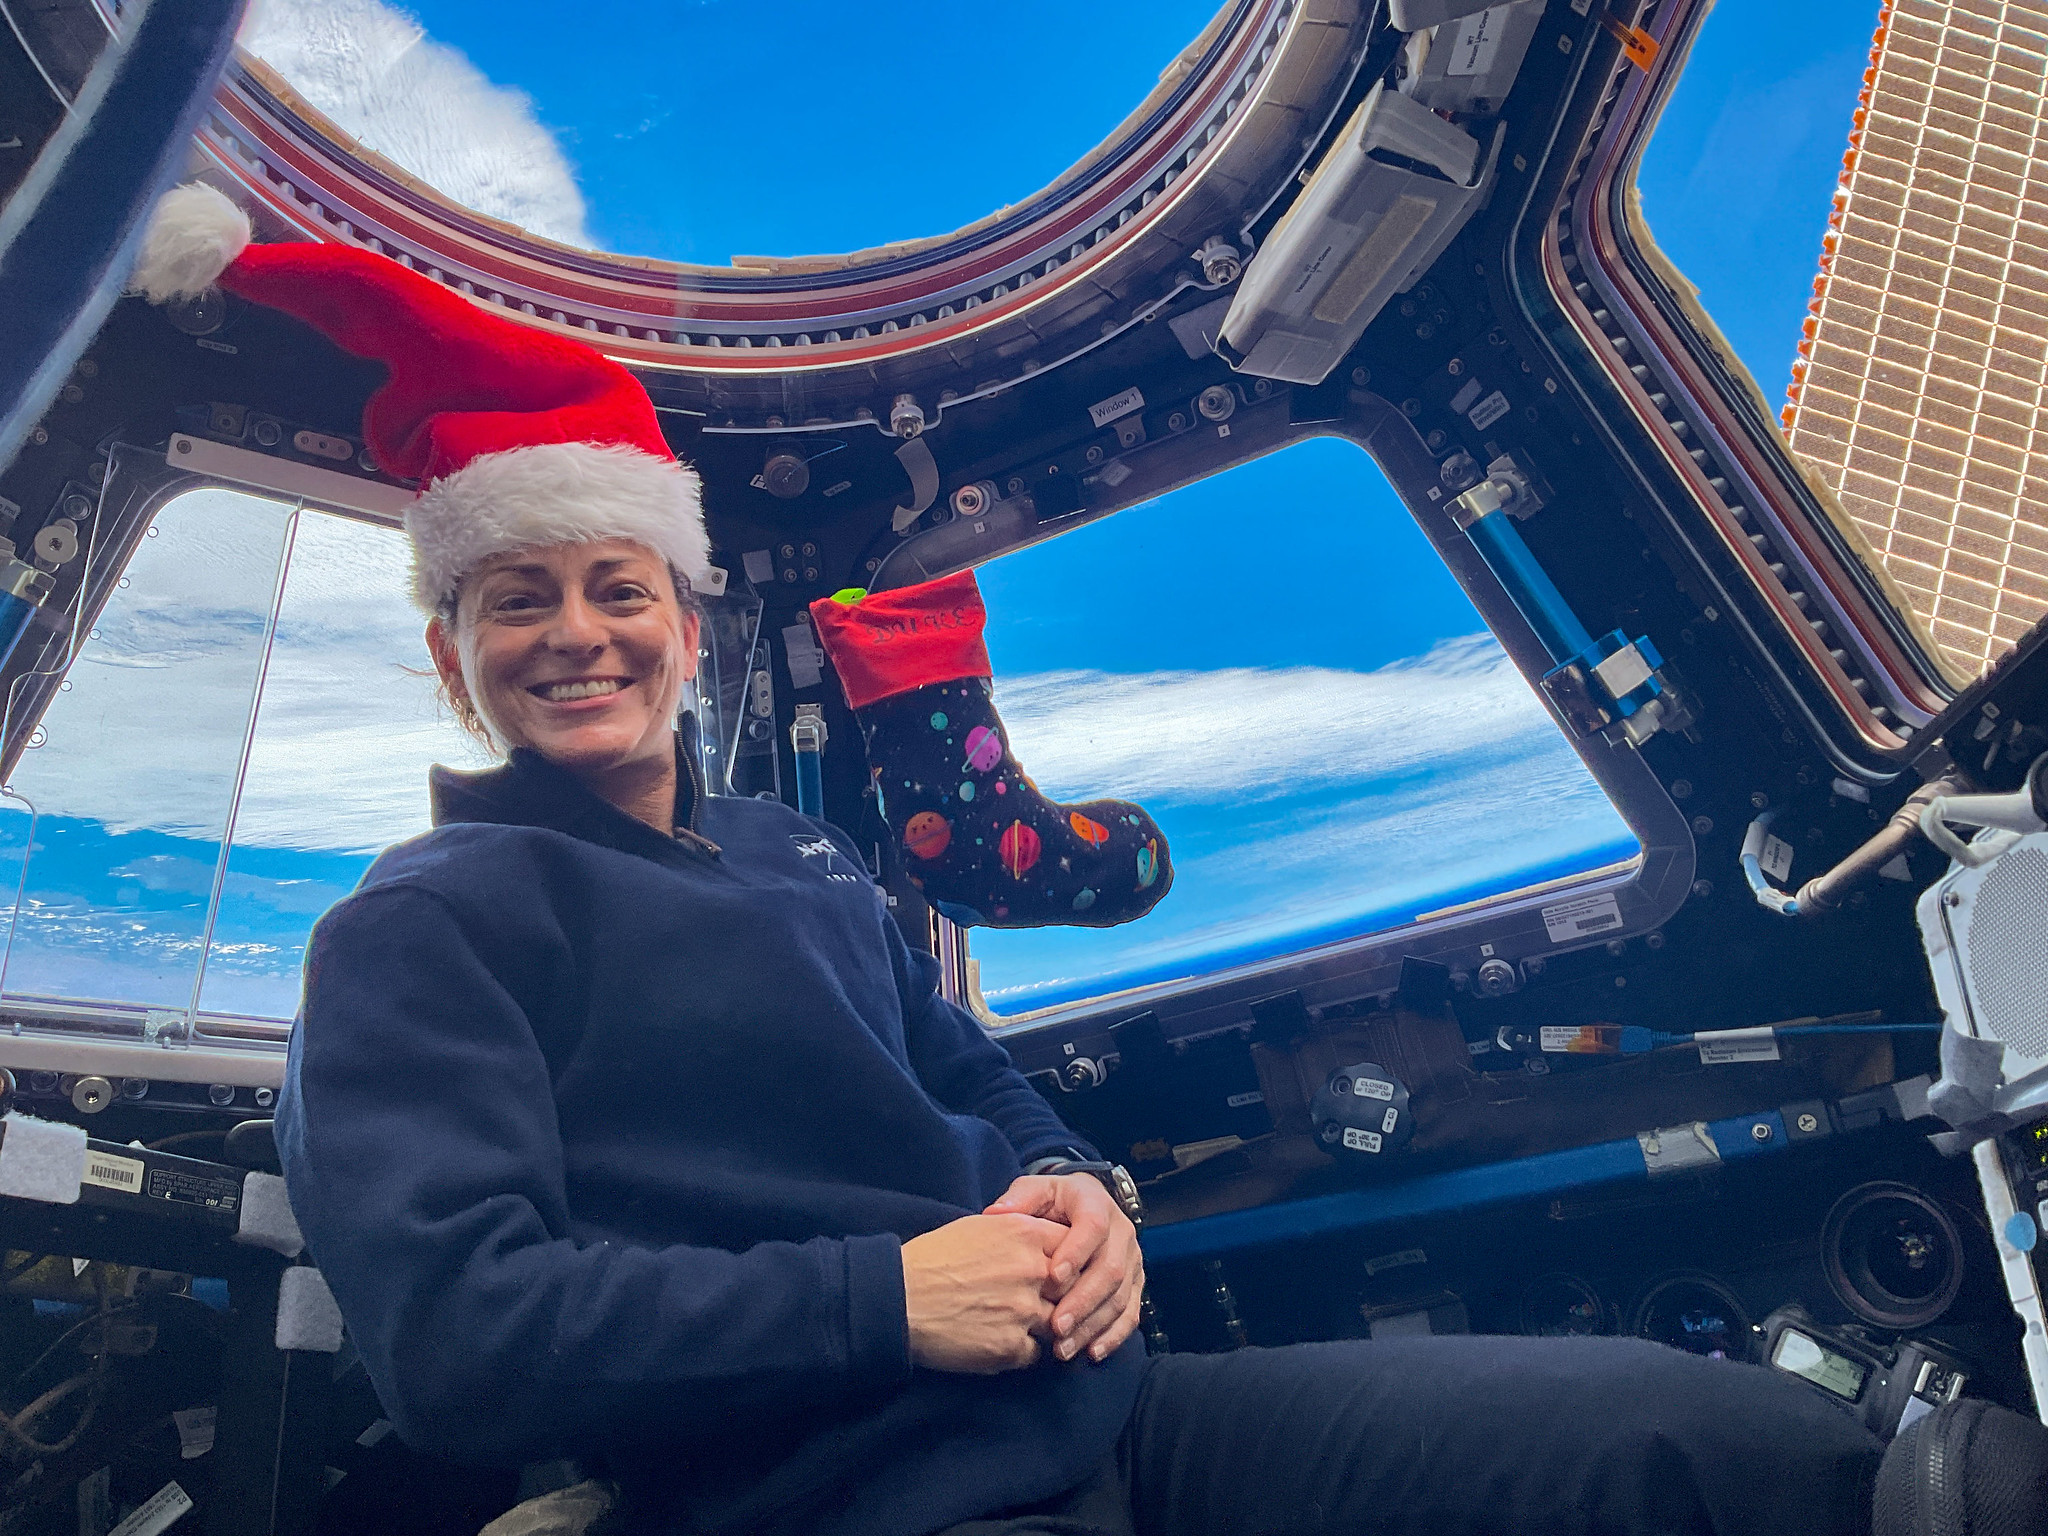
[[515, 602], [626, 592]]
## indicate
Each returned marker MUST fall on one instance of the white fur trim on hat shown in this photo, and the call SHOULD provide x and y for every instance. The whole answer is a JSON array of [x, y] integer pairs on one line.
[[553, 493], [194, 235]]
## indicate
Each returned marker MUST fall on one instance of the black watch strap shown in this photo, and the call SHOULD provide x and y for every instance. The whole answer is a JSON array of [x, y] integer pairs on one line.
[[1115, 1178]]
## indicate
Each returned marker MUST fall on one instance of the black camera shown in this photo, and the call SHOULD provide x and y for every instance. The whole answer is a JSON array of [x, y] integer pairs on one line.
[[1887, 1386]]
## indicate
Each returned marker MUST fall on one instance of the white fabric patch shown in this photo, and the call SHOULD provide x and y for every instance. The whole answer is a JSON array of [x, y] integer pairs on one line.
[[307, 1317], [41, 1160], [266, 1217], [195, 1430]]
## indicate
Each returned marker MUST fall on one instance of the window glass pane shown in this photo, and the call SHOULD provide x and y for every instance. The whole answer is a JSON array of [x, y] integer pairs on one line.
[[706, 131], [1332, 746], [127, 796], [348, 726]]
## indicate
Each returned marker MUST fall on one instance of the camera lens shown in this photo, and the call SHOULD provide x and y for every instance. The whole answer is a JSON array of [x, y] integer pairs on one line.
[[1892, 1255], [1695, 1313]]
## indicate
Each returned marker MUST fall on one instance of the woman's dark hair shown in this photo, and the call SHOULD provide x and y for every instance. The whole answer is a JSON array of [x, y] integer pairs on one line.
[[464, 710]]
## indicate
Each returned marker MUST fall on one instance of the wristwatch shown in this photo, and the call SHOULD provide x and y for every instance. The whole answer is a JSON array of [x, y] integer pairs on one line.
[[1115, 1177]]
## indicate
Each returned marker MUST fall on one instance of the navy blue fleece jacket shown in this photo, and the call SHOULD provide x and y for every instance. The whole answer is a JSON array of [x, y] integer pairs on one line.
[[607, 1143]]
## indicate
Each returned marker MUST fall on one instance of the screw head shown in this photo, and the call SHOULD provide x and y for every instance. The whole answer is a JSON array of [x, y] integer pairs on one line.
[[1808, 1123], [1952, 899], [1761, 1131], [1759, 800]]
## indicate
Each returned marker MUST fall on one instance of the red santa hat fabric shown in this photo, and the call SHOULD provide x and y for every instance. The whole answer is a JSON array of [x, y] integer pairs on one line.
[[519, 438]]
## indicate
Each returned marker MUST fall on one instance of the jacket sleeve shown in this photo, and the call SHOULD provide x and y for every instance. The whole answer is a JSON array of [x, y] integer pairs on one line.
[[424, 1162], [964, 1069]]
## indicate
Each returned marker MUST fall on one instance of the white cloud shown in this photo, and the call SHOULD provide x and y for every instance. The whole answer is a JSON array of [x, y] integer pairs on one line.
[[372, 68], [1254, 732]]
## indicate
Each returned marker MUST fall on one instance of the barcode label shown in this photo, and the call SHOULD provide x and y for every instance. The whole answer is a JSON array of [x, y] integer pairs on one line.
[[158, 1513], [1582, 918], [110, 1172]]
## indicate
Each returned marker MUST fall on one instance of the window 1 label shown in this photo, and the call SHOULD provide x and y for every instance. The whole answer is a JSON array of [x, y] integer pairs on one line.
[[1103, 412], [1581, 918]]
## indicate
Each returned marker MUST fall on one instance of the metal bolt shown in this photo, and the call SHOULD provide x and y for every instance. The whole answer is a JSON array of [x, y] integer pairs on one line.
[[1361, 377], [265, 1097], [1760, 800], [1496, 978], [1681, 789], [1014, 484], [90, 1095], [1617, 947], [220, 1093], [1455, 367], [1654, 940], [1702, 825], [1952, 899], [1220, 261], [1217, 402], [1761, 1131], [1703, 889], [906, 416], [134, 1088]]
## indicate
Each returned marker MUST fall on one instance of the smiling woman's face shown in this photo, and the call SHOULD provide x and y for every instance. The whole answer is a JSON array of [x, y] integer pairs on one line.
[[578, 651]]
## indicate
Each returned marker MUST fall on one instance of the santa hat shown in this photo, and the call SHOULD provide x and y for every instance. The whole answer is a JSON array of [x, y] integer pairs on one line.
[[519, 438]]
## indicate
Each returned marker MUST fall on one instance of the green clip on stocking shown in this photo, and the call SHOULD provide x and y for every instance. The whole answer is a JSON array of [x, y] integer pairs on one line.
[[978, 838]]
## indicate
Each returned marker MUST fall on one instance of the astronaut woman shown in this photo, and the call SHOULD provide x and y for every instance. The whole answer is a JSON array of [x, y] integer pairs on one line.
[[625, 1127]]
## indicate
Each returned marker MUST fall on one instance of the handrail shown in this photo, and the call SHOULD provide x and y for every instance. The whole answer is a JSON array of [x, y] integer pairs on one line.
[[68, 235]]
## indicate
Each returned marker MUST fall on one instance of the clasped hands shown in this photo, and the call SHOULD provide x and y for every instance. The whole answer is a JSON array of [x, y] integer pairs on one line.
[[1054, 1264]]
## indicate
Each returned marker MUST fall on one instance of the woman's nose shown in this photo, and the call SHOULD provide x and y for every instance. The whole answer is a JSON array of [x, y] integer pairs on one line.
[[578, 625]]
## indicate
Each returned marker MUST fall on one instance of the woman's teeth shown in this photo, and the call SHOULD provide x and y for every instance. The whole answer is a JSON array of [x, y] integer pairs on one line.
[[562, 693]]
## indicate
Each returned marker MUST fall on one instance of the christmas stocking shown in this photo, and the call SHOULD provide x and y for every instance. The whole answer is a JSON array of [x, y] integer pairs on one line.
[[979, 839]]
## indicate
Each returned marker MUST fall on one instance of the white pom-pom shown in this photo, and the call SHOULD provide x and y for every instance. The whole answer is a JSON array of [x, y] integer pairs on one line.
[[193, 237]]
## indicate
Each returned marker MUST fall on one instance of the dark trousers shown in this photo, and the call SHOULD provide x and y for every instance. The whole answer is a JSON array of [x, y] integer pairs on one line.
[[1460, 1436]]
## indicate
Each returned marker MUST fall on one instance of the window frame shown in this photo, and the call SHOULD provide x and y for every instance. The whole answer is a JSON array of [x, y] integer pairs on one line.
[[1852, 661], [1647, 890]]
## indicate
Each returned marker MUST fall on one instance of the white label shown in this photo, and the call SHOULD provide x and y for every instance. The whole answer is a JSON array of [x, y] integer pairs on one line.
[[1557, 1037], [806, 660], [1103, 412], [1361, 1141], [1478, 41], [1721, 1046], [1399, 1260], [1623, 672], [378, 1429], [162, 1510], [195, 1430], [1393, 1115], [1371, 1088], [1240, 1100], [1461, 402], [1776, 858], [110, 1172], [1489, 410], [1581, 918]]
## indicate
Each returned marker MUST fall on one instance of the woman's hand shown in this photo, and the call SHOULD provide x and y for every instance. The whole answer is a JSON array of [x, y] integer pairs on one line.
[[1098, 1271], [978, 1292]]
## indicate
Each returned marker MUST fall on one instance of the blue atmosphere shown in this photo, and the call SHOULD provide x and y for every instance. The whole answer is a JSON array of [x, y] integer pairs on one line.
[[1331, 749]]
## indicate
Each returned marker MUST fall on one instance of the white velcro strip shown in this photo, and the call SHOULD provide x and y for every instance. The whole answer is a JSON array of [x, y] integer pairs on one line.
[[307, 1317], [266, 1219], [41, 1159]]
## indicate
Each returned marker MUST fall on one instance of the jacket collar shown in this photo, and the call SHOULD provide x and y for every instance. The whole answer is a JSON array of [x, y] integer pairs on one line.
[[529, 791]]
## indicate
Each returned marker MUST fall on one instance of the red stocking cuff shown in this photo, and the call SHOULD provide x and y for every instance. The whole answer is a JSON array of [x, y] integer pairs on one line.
[[891, 642]]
